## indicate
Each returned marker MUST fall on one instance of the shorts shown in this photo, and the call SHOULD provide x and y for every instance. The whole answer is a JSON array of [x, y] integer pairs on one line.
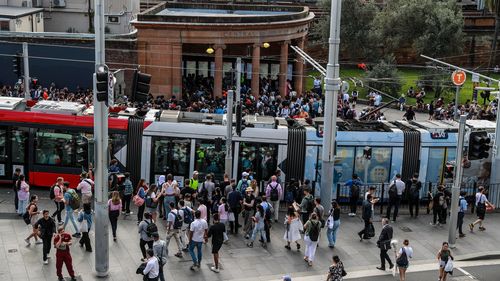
[[480, 215], [216, 247]]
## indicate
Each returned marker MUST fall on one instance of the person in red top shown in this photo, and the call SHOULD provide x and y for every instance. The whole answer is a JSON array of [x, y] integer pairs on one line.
[[62, 241]]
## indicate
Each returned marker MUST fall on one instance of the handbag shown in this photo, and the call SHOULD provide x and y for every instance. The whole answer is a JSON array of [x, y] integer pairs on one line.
[[141, 268], [138, 201], [449, 266], [230, 216], [84, 225]]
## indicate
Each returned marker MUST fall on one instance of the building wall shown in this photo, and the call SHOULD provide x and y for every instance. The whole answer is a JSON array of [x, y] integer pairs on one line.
[[24, 24]]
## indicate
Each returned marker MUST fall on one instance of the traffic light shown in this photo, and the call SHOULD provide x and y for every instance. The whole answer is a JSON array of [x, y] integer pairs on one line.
[[140, 88], [82, 151], [479, 145], [101, 86], [240, 122], [17, 64]]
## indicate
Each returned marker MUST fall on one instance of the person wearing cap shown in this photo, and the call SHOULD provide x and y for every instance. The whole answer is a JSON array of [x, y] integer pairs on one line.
[[243, 183], [248, 210], [85, 186], [160, 251]]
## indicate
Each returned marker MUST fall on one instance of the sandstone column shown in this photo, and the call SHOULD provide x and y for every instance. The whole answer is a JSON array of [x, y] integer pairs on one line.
[[283, 67], [299, 70], [219, 50]]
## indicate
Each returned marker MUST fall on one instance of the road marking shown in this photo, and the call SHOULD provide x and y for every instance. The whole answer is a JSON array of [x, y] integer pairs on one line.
[[466, 273]]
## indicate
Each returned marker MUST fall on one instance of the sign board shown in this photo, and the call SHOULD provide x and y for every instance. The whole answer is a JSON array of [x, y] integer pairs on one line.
[[111, 89], [475, 78], [458, 77]]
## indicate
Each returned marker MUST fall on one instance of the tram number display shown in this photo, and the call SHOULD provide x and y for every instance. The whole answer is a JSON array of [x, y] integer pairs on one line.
[[439, 135]]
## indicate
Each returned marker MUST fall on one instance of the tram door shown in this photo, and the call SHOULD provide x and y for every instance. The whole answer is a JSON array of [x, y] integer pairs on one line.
[[13, 144]]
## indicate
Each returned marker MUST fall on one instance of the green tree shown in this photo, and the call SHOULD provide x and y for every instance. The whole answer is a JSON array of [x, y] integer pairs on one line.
[[437, 80], [493, 6], [431, 27], [385, 77], [356, 19]]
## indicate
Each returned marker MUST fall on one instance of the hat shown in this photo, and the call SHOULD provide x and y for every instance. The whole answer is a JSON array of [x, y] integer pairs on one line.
[[245, 174], [249, 189], [195, 172]]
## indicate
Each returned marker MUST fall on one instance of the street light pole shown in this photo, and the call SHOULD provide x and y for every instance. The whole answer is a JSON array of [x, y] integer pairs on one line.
[[229, 133], [455, 190], [332, 87], [100, 153], [26, 66]]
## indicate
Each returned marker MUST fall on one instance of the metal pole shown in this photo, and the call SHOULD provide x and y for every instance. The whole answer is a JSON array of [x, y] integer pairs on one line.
[[101, 153], [26, 66], [332, 87], [229, 134], [495, 169], [455, 190], [459, 68], [238, 79], [457, 94]]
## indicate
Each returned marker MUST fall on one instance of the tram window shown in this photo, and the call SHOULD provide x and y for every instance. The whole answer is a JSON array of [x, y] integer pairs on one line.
[[54, 148], [173, 155], [3, 144], [344, 160], [117, 142], [18, 140], [378, 166], [436, 163], [259, 158], [207, 160]]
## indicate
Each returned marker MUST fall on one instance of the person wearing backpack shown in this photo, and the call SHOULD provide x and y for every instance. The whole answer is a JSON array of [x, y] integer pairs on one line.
[[32, 213], [128, 190], [243, 184], [187, 218], [312, 229], [396, 189], [85, 186], [268, 213], [413, 187], [481, 204], [70, 198], [354, 186], [274, 192], [438, 202], [174, 225], [146, 230], [403, 259], [307, 205], [57, 194]]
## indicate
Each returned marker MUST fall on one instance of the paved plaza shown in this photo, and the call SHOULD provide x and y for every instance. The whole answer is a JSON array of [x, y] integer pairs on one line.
[[18, 262]]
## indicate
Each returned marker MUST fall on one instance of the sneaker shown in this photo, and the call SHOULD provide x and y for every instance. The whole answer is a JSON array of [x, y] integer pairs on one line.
[[288, 247], [250, 245], [179, 255], [433, 224], [61, 223], [461, 235], [194, 267], [77, 235], [247, 236], [28, 243], [73, 279], [471, 227], [214, 269], [482, 228], [130, 213], [46, 262], [38, 242]]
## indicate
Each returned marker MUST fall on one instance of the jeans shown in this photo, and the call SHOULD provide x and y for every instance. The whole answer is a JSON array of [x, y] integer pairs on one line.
[[126, 203], [59, 209], [47, 244], [414, 203], [85, 240], [310, 248], [113, 219], [460, 222], [142, 245], [394, 202], [276, 206], [23, 204], [69, 216], [383, 257], [331, 233], [353, 203], [198, 245], [260, 230], [166, 202]]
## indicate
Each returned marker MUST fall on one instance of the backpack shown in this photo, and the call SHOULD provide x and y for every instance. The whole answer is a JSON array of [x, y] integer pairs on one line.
[[289, 196], [203, 193], [151, 228], [349, 114], [314, 231], [26, 215], [178, 220], [274, 192], [52, 194], [244, 185], [75, 199], [150, 203], [188, 215], [127, 187], [393, 191], [310, 205], [414, 192], [402, 261], [355, 190], [268, 212]]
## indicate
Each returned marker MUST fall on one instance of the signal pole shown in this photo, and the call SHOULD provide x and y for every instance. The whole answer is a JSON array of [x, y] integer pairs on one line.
[[26, 67], [332, 87], [100, 153], [229, 134]]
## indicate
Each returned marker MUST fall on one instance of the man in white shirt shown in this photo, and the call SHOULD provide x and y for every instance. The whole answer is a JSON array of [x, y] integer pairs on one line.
[[152, 270], [198, 233], [85, 186], [396, 188], [160, 251]]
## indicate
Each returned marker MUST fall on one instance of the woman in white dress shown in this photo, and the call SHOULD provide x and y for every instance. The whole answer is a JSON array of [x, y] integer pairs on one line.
[[293, 227]]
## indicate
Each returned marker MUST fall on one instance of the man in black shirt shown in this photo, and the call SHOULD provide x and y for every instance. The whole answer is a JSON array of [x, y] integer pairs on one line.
[[15, 177], [234, 200], [216, 231], [47, 227]]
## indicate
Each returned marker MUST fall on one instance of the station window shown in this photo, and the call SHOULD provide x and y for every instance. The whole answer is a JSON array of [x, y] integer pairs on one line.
[[172, 155]]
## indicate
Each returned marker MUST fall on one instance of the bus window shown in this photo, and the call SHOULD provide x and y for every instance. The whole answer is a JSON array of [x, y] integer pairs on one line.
[[172, 155], [18, 140], [261, 159], [53, 148], [3, 144], [208, 160]]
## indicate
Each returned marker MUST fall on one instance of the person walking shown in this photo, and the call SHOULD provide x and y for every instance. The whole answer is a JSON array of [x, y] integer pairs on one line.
[[15, 178], [336, 271], [33, 212], [139, 201], [85, 219], [114, 207], [306, 205], [145, 232], [384, 243], [160, 250], [235, 200], [161, 199], [62, 243], [248, 209], [151, 201], [403, 259], [333, 224], [198, 232], [216, 231], [413, 187], [85, 186], [23, 195], [152, 270], [128, 190], [443, 256], [366, 232], [168, 193], [354, 186], [187, 218], [259, 221], [57, 194], [312, 229], [462, 208], [174, 225], [481, 203], [223, 211], [274, 192], [293, 228], [268, 213], [47, 227], [69, 195], [396, 189], [438, 202]]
